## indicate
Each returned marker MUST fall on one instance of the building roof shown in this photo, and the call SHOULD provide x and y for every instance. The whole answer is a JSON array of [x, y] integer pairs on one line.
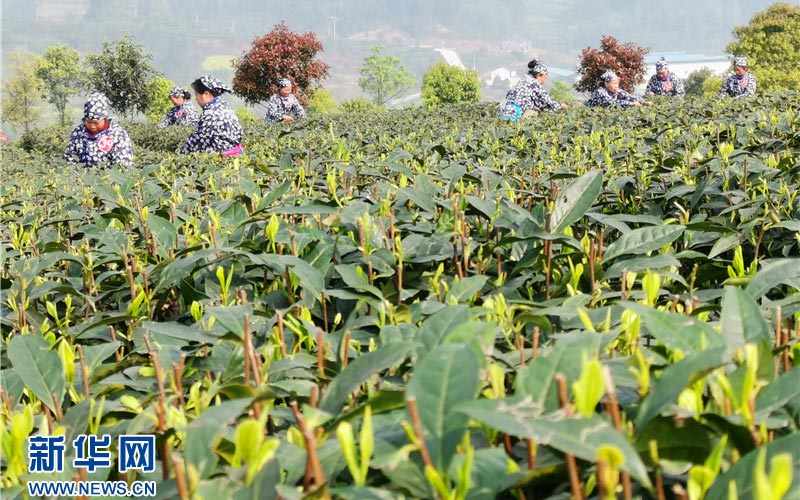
[[683, 57], [561, 71]]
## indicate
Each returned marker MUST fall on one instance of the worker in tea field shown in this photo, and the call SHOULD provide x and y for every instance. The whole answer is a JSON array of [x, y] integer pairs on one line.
[[218, 130], [284, 106], [529, 96], [99, 141], [181, 112], [741, 83], [610, 95], [664, 82]]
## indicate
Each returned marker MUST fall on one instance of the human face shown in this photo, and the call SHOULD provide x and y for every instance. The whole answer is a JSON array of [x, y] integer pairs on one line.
[[542, 78], [662, 73], [285, 91], [203, 98], [739, 70], [95, 126], [177, 101], [613, 85]]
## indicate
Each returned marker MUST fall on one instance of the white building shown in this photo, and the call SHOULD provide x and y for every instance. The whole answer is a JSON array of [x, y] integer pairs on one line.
[[505, 75]]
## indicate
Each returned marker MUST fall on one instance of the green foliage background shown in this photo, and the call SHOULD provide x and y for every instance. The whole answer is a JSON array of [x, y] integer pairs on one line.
[[771, 41], [443, 84], [384, 77]]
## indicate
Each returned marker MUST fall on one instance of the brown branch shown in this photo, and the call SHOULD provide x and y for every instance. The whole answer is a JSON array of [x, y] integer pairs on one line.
[[311, 445], [572, 465], [416, 424], [84, 372]]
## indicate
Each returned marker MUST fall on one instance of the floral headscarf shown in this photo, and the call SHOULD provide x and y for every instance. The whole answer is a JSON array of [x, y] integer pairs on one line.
[[97, 107], [608, 76], [214, 85]]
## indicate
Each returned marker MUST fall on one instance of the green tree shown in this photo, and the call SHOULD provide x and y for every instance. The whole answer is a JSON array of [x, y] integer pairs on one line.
[[443, 84], [771, 42], [158, 102], [63, 75], [122, 71], [384, 77], [696, 79], [23, 93]]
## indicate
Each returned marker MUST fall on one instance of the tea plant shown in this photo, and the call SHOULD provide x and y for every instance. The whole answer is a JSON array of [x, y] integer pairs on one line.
[[419, 304]]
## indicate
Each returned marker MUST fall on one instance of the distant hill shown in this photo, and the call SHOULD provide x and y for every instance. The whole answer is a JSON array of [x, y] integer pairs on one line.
[[485, 34]]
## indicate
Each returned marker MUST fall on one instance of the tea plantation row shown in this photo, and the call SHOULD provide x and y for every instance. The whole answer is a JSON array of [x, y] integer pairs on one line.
[[418, 304]]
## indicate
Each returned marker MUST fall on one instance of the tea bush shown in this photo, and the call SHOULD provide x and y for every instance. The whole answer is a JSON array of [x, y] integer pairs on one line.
[[423, 303]]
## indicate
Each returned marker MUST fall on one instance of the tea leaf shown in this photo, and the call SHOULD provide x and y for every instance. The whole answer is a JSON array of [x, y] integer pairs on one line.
[[443, 379], [39, 367]]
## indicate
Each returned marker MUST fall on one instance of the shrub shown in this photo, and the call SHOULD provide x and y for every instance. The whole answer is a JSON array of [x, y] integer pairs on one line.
[[158, 102], [360, 105], [561, 92], [246, 117], [696, 79], [322, 102], [711, 86], [443, 84]]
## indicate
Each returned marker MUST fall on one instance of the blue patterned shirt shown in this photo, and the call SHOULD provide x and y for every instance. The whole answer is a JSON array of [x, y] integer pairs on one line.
[[180, 115], [739, 86], [278, 106], [528, 94], [672, 86], [110, 147], [217, 131], [605, 98]]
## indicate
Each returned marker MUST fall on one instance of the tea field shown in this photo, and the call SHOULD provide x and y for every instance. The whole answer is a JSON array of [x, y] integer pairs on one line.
[[418, 304]]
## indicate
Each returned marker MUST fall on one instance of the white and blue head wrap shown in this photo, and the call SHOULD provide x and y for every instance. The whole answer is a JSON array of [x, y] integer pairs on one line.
[[608, 76], [97, 107]]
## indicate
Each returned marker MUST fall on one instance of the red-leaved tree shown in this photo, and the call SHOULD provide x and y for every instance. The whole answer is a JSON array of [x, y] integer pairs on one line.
[[625, 59], [279, 53]]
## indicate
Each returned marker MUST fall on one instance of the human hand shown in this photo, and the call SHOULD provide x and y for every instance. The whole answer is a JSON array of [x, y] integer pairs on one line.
[[288, 118]]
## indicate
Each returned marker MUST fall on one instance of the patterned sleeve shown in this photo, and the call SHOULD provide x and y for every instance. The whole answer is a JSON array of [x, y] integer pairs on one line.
[[190, 116], [73, 152], [122, 154], [626, 98], [196, 140], [167, 120], [601, 98], [724, 90], [678, 89], [273, 109], [651, 86], [548, 103], [299, 111]]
